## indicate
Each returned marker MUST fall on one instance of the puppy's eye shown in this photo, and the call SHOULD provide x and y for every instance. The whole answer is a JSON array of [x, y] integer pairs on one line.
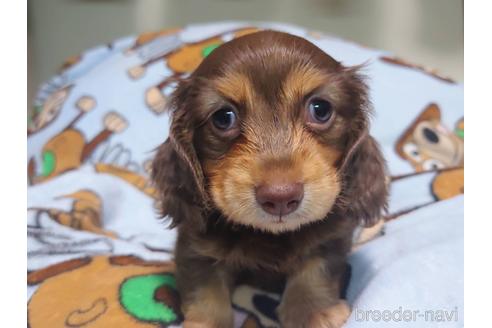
[[320, 111], [224, 119]]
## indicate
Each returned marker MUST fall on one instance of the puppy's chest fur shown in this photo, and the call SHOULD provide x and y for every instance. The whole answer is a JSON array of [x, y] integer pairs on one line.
[[244, 248]]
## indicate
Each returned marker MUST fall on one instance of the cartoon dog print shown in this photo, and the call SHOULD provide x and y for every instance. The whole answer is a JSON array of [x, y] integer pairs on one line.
[[426, 144], [68, 149], [431, 147], [104, 291], [181, 58], [85, 213], [46, 111]]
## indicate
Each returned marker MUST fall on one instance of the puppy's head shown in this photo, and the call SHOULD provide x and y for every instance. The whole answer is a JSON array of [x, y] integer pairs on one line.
[[271, 132]]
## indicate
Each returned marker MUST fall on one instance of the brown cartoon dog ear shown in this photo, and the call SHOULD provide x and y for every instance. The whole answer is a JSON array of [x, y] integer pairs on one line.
[[176, 170], [430, 113], [364, 193]]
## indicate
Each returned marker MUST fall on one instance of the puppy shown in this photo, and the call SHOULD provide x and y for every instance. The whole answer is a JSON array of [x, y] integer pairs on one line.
[[267, 170]]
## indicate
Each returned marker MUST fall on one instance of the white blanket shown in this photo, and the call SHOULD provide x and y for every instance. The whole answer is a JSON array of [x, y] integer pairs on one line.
[[97, 255]]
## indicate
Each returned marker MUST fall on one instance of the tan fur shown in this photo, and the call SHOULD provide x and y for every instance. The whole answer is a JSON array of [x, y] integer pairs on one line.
[[331, 317], [214, 310], [313, 282], [236, 86], [233, 181], [301, 81]]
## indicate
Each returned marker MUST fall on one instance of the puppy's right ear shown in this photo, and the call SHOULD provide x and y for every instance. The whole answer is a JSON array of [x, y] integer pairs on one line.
[[176, 170]]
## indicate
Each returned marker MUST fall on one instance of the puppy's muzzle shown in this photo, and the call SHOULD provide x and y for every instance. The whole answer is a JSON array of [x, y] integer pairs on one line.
[[280, 199]]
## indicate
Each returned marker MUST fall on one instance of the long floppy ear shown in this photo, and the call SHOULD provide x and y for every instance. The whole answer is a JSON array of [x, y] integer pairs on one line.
[[363, 168], [365, 189], [176, 170]]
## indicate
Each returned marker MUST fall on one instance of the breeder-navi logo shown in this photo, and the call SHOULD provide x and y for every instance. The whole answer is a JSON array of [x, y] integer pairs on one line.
[[406, 315]]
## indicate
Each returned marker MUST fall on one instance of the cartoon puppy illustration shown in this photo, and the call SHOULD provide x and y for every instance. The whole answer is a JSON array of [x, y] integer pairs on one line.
[[104, 291], [68, 149], [85, 213], [429, 147], [45, 112], [427, 144]]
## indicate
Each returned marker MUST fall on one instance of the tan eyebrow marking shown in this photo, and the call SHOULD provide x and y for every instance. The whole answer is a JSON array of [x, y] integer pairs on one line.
[[301, 81], [235, 86]]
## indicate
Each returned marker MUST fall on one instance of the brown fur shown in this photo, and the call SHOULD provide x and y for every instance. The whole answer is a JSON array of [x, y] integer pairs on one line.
[[207, 180]]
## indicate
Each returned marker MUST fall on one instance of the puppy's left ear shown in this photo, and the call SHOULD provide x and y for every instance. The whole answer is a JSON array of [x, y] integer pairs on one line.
[[364, 190], [176, 170]]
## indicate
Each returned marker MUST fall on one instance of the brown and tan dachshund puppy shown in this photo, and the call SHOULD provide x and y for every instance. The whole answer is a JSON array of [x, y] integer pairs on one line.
[[267, 170]]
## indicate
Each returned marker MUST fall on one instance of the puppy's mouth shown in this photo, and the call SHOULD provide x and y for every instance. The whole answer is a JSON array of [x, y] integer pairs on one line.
[[281, 223], [279, 220]]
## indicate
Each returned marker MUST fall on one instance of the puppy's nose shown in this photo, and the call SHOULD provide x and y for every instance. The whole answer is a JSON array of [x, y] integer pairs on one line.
[[280, 199]]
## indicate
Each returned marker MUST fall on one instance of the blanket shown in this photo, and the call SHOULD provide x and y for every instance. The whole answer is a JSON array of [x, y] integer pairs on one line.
[[99, 257]]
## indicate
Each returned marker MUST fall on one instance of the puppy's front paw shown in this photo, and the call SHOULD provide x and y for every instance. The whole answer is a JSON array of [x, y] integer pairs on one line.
[[332, 317]]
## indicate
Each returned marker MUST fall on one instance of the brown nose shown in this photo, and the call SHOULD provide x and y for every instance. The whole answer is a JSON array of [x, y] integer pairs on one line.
[[280, 199]]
